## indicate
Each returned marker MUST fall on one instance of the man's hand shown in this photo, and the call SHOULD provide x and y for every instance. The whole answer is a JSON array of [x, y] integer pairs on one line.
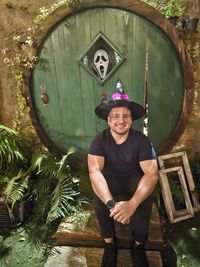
[[123, 211]]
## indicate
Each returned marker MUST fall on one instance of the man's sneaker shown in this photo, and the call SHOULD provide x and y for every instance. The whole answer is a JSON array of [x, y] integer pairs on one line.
[[109, 256], [139, 255]]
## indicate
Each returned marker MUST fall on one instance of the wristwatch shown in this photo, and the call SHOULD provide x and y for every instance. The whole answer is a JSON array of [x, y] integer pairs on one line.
[[110, 204]]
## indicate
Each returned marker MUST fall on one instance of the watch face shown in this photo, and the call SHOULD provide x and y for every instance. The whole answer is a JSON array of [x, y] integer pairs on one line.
[[110, 203]]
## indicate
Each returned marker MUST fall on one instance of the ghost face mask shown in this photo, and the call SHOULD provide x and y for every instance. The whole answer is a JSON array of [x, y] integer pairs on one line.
[[101, 62]]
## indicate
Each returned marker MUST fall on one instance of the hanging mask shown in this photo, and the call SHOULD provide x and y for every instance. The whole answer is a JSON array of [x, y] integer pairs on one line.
[[101, 62]]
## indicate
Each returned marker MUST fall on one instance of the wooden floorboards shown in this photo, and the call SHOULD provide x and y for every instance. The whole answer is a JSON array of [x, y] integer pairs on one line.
[[77, 234], [91, 257], [80, 245]]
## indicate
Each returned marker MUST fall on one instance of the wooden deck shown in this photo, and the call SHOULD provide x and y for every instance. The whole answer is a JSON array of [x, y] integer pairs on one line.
[[65, 256], [75, 234], [81, 245]]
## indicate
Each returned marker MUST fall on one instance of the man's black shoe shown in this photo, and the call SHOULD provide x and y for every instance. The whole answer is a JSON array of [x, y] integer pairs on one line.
[[139, 255], [109, 256]]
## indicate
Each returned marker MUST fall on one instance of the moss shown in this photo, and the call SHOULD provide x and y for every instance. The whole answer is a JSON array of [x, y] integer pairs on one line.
[[20, 252]]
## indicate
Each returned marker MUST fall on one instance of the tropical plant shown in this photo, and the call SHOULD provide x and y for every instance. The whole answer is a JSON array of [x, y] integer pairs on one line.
[[176, 191], [37, 175], [54, 189], [174, 8], [15, 155], [54, 192]]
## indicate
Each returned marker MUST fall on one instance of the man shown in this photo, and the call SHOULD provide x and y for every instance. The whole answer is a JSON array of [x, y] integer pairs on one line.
[[123, 172]]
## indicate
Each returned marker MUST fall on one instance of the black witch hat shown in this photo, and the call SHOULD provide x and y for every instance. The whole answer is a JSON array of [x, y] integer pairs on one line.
[[119, 99]]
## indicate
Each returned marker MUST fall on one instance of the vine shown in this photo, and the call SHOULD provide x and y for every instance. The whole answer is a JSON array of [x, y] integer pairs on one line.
[[22, 58]]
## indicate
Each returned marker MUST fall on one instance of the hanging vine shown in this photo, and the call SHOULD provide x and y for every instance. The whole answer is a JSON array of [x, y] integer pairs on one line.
[[22, 58]]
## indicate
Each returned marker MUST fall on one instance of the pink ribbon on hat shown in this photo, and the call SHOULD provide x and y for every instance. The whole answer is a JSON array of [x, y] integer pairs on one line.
[[118, 96]]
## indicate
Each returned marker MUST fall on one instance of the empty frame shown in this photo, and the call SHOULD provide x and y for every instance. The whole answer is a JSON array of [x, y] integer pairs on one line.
[[186, 184]]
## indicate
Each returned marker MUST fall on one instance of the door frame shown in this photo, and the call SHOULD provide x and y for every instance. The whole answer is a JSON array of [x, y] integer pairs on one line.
[[148, 13]]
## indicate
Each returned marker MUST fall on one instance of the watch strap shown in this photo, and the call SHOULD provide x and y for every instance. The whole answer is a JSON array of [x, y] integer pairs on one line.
[[110, 204]]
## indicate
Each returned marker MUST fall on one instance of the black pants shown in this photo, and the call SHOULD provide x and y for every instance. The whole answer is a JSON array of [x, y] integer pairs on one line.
[[139, 223]]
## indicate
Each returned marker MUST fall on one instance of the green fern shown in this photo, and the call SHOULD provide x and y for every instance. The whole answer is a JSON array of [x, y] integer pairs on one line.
[[62, 199], [177, 192], [13, 147], [53, 179], [15, 153], [39, 176], [17, 187], [41, 209]]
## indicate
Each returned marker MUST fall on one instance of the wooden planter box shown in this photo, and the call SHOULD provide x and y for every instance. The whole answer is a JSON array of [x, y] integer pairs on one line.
[[190, 24], [13, 218], [4, 214]]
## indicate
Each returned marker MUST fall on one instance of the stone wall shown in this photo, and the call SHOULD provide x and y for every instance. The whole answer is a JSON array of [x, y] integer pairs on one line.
[[16, 18], [190, 139]]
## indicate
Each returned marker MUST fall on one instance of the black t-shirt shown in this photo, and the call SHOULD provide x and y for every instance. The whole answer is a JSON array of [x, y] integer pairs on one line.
[[122, 169]]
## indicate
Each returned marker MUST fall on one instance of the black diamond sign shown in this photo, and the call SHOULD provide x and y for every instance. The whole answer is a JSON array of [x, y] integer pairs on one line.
[[101, 59]]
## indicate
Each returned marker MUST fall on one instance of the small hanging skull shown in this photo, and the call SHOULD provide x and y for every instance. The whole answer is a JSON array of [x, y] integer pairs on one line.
[[101, 62]]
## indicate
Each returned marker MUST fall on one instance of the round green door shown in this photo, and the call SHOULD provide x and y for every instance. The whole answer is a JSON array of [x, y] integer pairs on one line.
[[64, 93]]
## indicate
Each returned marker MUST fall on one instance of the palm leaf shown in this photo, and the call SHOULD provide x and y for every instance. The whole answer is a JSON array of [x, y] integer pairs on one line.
[[15, 189], [40, 186], [63, 162], [14, 148], [63, 197], [41, 209], [38, 156]]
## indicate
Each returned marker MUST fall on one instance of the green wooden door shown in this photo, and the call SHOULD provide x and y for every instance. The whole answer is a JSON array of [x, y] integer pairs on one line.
[[73, 93]]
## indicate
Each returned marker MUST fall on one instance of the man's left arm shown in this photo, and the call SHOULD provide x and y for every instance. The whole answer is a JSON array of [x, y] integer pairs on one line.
[[123, 210], [147, 182]]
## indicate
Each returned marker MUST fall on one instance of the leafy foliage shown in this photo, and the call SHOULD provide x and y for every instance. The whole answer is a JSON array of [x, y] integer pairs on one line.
[[177, 192], [15, 153], [170, 8], [39, 176], [13, 147], [174, 8], [53, 189], [2, 245], [16, 250]]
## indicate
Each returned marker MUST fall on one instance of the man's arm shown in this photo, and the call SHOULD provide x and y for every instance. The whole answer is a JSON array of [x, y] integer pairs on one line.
[[125, 209], [147, 182], [98, 182]]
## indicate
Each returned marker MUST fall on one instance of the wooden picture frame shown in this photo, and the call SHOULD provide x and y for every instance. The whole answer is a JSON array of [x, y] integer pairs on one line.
[[173, 214], [188, 174]]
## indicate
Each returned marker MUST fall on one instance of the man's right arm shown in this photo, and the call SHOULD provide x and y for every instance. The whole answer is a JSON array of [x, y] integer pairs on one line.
[[98, 182]]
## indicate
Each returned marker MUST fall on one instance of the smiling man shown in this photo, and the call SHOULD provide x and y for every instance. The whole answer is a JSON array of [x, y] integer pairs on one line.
[[123, 172]]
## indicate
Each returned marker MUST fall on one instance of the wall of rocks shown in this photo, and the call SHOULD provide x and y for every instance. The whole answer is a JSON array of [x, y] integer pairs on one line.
[[15, 19]]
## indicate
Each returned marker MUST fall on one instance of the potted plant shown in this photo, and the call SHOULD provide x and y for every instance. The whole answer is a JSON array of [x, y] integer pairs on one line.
[[191, 17], [173, 10]]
